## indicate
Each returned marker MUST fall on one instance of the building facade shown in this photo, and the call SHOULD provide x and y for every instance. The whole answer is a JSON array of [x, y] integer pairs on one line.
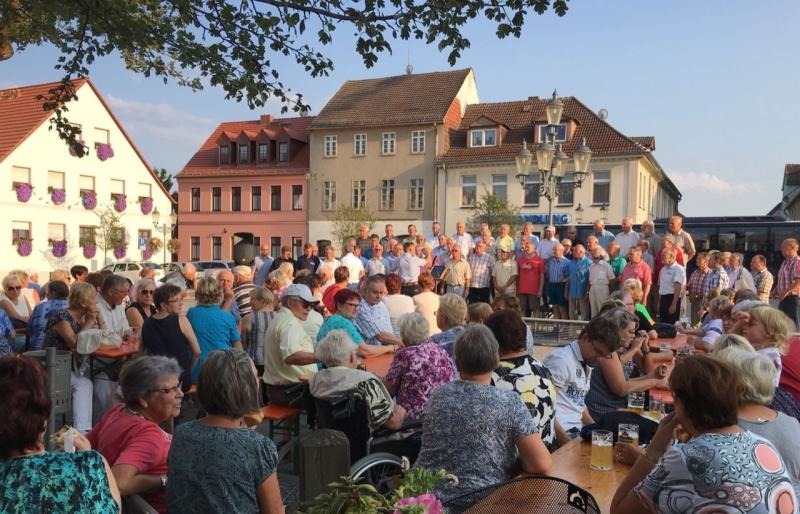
[[375, 144], [624, 178], [789, 206], [247, 177], [52, 199]]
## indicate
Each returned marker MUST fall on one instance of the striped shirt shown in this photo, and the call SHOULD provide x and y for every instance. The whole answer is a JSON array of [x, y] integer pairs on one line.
[[556, 269], [371, 320], [716, 279], [788, 274], [698, 283], [481, 267], [763, 281]]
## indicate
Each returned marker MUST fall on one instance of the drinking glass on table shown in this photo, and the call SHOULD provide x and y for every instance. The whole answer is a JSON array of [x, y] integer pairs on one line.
[[628, 433], [664, 346], [656, 407], [636, 401], [602, 450]]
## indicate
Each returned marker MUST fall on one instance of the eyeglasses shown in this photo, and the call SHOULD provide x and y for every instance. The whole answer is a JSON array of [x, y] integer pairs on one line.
[[170, 390], [352, 304], [13, 288], [146, 291], [307, 305]]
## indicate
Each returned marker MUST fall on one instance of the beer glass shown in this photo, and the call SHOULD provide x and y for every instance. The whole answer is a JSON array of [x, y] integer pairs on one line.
[[628, 433], [656, 407], [602, 450], [636, 401], [664, 347]]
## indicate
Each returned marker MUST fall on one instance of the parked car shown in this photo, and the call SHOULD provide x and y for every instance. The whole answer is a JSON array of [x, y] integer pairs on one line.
[[131, 270], [211, 267]]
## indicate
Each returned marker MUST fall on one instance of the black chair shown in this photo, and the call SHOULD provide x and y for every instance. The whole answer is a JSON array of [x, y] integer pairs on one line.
[[540, 494]]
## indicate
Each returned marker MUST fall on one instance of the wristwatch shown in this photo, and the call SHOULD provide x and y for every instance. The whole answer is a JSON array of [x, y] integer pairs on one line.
[[163, 481]]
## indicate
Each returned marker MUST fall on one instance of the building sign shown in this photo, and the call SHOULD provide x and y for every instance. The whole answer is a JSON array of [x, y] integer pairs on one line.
[[541, 219]]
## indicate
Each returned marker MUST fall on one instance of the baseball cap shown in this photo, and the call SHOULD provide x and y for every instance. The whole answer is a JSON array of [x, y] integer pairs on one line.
[[550, 227], [301, 291]]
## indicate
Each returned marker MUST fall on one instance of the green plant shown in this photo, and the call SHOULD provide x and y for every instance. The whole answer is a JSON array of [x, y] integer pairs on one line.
[[495, 211], [347, 220]]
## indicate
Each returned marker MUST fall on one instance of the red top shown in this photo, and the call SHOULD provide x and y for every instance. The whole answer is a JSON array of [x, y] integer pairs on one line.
[[327, 297], [530, 269], [123, 438], [790, 374], [638, 270]]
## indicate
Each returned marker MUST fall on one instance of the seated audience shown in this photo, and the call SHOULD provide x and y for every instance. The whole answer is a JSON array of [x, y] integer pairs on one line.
[[721, 467], [427, 301], [521, 373], [768, 330], [56, 294], [341, 276], [215, 328], [418, 368], [633, 287], [347, 304], [16, 307], [397, 303], [373, 320], [35, 480], [478, 312], [477, 432], [704, 337], [217, 463], [142, 306], [129, 435], [450, 318]]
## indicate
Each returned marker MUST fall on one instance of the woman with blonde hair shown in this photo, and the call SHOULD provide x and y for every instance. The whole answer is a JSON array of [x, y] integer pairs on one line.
[[767, 330], [633, 287], [15, 305], [704, 337], [732, 342], [142, 306]]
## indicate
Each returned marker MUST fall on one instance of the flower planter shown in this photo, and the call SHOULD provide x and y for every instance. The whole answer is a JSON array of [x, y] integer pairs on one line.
[[147, 254], [120, 203], [59, 248], [119, 252], [24, 248], [89, 200], [78, 149], [104, 152], [174, 245], [24, 192], [89, 251], [146, 204], [58, 196]]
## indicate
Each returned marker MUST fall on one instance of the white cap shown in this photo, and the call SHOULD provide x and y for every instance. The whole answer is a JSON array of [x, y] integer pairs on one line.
[[550, 228], [300, 291]]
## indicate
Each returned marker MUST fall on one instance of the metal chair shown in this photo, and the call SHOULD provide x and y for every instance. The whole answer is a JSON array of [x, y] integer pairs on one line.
[[58, 364], [540, 494]]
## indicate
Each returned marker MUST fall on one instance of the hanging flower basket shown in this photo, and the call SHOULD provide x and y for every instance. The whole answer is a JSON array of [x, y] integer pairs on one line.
[[89, 250], [120, 202], [57, 195], [78, 149], [88, 199], [104, 152], [173, 245], [147, 254], [154, 244], [24, 191], [119, 252], [59, 247], [24, 247], [146, 204]]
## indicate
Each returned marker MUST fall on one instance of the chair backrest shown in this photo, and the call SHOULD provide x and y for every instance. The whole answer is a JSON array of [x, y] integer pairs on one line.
[[58, 366], [540, 494], [347, 414]]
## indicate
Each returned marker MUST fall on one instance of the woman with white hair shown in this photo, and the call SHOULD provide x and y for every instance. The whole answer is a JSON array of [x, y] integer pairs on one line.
[[142, 306], [450, 318], [419, 367]]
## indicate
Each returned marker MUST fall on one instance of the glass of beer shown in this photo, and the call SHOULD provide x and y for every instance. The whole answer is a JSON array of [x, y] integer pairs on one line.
[[636, 401], [656, 407], [628, 433], [664, 347], [602, 450]]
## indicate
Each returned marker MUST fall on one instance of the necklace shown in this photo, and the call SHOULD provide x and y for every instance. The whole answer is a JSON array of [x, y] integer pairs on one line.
[[135, 413]]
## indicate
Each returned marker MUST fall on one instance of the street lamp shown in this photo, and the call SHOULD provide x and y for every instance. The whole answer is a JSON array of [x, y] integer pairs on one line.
[[551, 160], [579, 214], [173, 218]]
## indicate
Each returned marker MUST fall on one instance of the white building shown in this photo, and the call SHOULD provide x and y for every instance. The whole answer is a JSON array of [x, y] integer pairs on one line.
[[32, 155]]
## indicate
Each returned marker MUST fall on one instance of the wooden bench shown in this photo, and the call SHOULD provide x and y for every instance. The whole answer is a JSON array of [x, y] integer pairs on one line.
[[286, 420]]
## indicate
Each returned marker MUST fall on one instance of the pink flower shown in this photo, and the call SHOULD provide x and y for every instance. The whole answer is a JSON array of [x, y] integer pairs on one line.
[[428, 502], [23, 192], [104, 151]]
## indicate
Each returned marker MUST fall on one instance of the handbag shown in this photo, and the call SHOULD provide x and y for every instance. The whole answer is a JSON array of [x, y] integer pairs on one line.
[[665, 330]]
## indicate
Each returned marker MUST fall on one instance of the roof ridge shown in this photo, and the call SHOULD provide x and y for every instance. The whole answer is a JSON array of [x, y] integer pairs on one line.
[[76, 82], [462, 70], [594, 114]]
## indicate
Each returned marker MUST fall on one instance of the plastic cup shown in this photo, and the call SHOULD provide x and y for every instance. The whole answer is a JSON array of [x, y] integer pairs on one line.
[[602, 450], [628, 433], [664, 347]]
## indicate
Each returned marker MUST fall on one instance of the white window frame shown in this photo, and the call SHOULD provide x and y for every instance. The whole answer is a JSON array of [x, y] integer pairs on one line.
[[360, 144], [417, 141], [358, 197], [483, 132], [541, 134], [388, 143], [472, 182], [20, 174], [500, 180], [387, 195], [416, 194], [330, 146], [596, 182], [329, 195]]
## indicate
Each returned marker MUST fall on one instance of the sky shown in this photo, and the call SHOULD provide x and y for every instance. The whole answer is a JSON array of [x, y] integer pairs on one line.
[[716, 83]]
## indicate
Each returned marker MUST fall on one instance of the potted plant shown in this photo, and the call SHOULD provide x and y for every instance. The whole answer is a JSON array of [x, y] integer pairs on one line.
[[147, 253], [78, 148], [88, 199], [146, 204], [58, 247], [89, 250], [57, 195], [120, 201], [23, 190], [24, 246], [104, 151], [119, 252], [154, 244], [174, 245]]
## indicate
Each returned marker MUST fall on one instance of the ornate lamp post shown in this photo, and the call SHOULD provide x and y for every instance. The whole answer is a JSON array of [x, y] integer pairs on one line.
[[173, 218], [551, 161]]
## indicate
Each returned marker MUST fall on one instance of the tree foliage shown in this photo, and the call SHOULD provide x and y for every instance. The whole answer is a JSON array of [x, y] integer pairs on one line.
[[495, 211], [238, 45], [109, 231], [165, 177], [347, 220]]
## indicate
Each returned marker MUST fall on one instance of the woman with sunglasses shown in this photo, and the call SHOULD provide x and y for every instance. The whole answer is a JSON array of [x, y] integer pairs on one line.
[[16, 306], [129, 435], [142, 306]]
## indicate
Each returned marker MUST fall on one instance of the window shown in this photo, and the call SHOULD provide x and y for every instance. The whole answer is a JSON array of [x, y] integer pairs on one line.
[[417, 141], [236, 198], [263, 153], [531, 190], [256, 198], [224, 154], [20, 175], [484, 137], [86, 183], [216, 248], [195, 199], [20, 230], [566, 196], [275, 250], [283, 152], [216, 199], [359, 199], [297, 246], [500, 186], [389, 139], [86, 235], [244, 153], [101, 136], [328, 195], [55, 179], [468, 190], [330, 146], [601, 187], [416, 194], [275, 198], [56, 231], [561, 133], [297, 198], [360, 144], [257, 242], [143, 238], [387, 194], [145, 190], [195, 253]]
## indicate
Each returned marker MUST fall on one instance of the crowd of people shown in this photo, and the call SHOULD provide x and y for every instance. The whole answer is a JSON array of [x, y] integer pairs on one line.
[[449, 309]]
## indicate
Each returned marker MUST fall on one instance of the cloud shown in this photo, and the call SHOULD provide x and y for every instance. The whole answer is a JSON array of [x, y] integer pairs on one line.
[[161, 120], [701, 182]]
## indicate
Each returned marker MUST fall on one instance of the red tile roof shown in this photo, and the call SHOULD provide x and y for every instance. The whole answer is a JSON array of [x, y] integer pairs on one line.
[[22, 113], [649, 142], [399, 100], [205, 161]]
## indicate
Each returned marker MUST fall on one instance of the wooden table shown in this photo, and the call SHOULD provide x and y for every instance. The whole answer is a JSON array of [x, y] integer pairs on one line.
[[379, 364], [674, 342], [571, 462], [649, 364], [98, 361]]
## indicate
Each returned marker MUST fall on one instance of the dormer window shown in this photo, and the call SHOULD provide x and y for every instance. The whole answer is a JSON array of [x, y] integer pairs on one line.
[[263, 153], [561, 133], [224, 154], [483, 137], [244, 154]]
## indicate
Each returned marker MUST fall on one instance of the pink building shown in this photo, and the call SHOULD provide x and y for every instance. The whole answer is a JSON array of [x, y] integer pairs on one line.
[[249, 176]]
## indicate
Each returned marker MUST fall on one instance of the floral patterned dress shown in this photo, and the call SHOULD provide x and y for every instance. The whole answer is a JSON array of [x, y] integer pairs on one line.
[[52, 338], [415, 372]]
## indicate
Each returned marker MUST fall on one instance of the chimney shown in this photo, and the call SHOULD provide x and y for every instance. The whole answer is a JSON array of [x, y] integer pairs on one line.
[[266, 119]]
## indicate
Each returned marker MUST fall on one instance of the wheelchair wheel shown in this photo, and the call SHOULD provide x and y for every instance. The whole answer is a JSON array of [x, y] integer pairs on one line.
[[382, 470]]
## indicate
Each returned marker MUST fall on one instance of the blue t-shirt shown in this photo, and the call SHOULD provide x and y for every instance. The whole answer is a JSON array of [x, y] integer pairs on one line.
[[215, 330], [339, 322], [578, 275]]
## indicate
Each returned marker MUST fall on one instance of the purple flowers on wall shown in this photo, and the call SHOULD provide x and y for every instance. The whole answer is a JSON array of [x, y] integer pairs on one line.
[[120, 202], [104, 151], [24, 191], [89, 250], [57, 195], [146, 204], [119, 252], [24, 247], [88, 199], [59, 248]]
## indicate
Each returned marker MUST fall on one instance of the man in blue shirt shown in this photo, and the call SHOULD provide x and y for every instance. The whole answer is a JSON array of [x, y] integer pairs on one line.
[[604, 237], [262, 265], [57, 293], [578, 284]]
